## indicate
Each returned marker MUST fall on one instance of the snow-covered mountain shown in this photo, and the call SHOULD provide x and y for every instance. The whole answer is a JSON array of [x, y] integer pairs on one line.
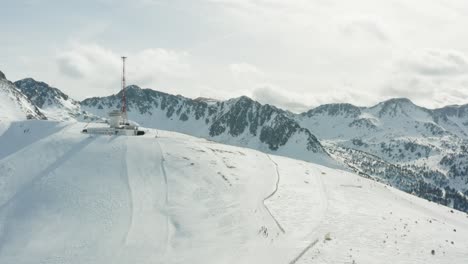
[[398, 117], [240, 121], [453, 118], [14, 105], [419, 150], [171, 198], [55, 104]]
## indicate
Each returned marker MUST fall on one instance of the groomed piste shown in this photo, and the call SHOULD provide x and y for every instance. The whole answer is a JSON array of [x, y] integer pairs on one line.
[[164, 197]]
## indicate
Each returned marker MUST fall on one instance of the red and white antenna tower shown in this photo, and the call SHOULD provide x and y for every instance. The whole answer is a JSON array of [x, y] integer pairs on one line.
[[124, 99]]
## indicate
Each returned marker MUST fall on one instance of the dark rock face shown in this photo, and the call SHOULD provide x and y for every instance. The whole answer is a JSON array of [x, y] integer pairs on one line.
[[147, 101], [2, 75], [40, 93], [235, 122], [47, 98], [30, 110]]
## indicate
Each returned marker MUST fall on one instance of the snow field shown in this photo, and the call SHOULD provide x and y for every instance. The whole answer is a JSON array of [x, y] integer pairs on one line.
[[66, 197]]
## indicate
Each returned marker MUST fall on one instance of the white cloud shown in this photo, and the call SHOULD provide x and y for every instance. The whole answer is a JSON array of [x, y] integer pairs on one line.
[[301, 102], [366, 26], [95, 67], [437, 62], [150, 63], [427, 91], [310, 51], [431, 78], [239, 69], [87, 61], [269, 94]]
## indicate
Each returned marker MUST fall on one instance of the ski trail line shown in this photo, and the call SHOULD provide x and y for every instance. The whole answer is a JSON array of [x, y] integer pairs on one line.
[[163, 170], [273, 193], [303, 252], [269, 196], [125, 177], [324, 198], [166, 198]]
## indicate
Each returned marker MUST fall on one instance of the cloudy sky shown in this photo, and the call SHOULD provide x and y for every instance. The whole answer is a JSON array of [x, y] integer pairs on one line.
[[292, 53]]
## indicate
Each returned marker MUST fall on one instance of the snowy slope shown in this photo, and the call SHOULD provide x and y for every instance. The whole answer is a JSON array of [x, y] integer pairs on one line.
[[54, 103], [14, 105], [171, 198]]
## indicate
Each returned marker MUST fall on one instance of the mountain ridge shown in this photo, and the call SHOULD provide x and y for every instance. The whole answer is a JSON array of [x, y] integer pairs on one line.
[[52, 101], [239, 121]]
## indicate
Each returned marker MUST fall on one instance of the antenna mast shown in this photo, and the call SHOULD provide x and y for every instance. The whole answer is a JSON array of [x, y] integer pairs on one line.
[[124, 99]]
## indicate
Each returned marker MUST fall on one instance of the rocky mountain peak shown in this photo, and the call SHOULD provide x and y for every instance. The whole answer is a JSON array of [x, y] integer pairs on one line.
[[396, 107], [398, 101], [133, 88], [2, 75], [206, 100], [241, 100], [15, 105], [55, 104], [40, 93], [340, 109]]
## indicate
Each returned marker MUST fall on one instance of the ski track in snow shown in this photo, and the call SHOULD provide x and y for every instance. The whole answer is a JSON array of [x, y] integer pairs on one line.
[[220, 159], [125, 177], [166, 197], [273, 193], [314, 234], [311, 245]]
